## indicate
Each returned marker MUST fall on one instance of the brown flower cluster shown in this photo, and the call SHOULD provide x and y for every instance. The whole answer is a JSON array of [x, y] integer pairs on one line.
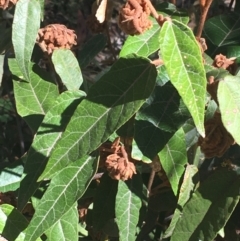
[[133, 17], [117, 164], [7, 3], [221, 61], [55, 36], [217, 139]]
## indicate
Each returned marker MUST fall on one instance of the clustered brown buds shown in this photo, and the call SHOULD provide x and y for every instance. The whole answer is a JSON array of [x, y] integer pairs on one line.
[[55, 36], [221, 61], [118, 164], [133, 17], [217, 139], [7, 3]]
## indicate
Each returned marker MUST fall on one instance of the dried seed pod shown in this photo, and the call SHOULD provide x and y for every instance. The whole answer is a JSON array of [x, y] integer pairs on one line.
[[217, 139], [7, 3], [119, 167], [133, 17], [55, 36]]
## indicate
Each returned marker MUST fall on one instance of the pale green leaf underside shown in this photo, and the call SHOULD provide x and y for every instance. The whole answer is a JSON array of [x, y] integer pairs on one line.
[[26, 24], [111, 101], [65, 189], [66, 65], [182, 58], [12, 223], [229, 104], [10, 178], [128, 204], [143, 44], [173, 157], [66, 228], [49, 132]]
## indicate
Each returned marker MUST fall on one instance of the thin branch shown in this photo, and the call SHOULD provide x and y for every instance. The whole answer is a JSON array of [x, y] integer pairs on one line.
[[204, 13], [150, 181]]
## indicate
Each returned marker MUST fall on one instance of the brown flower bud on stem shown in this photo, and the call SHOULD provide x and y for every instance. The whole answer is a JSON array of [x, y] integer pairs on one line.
[[55, 36], [217, 139], [7, 3], [119, 167], [221, 61]]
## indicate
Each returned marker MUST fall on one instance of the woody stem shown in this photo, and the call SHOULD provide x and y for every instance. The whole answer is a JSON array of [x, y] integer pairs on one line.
[[203, 17]]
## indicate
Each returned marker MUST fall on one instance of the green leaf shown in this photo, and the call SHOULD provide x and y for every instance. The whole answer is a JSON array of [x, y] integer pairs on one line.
[[104, 202], [66, 65], [229, 104], [183, 59], [10, 178], [49, 132], [65, 189], [90, 49], [186, 190], [12, 223], [209, 208], [128, 204], [170, 10], [173, 158], [157, 121], [232, 51], [222, 30], [111, 101], [143, 44], [26, 23], [66, 228], [33, 98]]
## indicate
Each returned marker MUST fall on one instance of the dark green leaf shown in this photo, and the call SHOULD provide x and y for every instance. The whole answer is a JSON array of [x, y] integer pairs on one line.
[[209, 208], [66, 228], [5, 38], [144, 44], [33, 98], [65, 189], [26, 24], [229, 104], [49, 132], [182, 57], [128, 204], [232, 51], [12, 223], [157, 121], [111, 101], [104, 202], [222, 30], [10, 178], [173, 158], [170, 10], [66, 65], [186, 190], [90, 49]]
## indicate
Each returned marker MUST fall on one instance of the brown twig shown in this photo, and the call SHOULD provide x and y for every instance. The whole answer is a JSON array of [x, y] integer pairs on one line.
[[173, 2], [150, 181], [205, 5]]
